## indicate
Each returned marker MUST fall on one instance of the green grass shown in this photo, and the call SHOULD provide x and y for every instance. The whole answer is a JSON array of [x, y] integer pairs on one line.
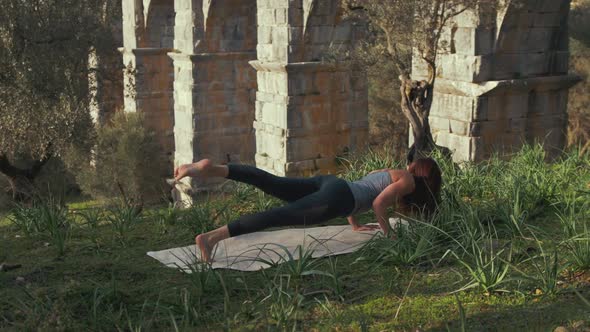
[[505, 252]]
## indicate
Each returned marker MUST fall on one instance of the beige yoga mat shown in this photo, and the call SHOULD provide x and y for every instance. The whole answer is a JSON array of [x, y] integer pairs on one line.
[[251, 252]]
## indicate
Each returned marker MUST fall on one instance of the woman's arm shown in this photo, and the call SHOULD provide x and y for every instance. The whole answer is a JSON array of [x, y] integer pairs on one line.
[[403, 186]]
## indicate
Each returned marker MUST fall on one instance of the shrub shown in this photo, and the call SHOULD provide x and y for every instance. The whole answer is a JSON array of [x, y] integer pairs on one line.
[[126, 161]]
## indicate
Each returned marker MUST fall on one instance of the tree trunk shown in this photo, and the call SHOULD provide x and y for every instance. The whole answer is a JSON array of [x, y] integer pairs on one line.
[[416, 102], [22, 181]]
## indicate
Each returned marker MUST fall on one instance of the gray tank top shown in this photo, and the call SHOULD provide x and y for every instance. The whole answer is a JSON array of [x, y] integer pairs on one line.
[[367, 189]]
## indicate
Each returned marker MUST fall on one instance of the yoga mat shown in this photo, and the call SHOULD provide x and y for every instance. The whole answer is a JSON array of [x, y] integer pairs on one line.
[[245, 252]]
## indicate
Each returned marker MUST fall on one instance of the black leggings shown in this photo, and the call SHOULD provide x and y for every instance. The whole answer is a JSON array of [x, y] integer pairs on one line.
[[311, 200]]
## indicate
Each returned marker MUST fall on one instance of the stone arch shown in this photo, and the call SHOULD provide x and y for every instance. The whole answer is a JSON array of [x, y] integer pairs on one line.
[[159, 24], [228, 26], [148, 27], [308, 111], [215, 87]]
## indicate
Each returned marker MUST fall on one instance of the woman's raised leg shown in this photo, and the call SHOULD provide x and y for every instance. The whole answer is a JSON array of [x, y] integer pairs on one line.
[[286, 189]]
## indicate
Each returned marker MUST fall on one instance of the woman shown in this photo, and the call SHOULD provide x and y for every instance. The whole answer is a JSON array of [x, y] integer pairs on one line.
[[321, 198]]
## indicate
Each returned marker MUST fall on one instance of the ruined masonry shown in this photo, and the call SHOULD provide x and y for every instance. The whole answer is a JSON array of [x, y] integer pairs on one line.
[[503, 80], [245, 81]]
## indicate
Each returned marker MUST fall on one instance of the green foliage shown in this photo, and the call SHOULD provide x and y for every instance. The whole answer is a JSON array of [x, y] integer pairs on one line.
[[416, 281], [126, 162], [44, 91], [415, 244], [546, 270], [45, 218], [200, 216], [575, 222], [357, 166], [123, 218]]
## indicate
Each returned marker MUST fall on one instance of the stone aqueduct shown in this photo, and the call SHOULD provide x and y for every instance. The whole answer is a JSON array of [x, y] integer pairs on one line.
[[244, 80]]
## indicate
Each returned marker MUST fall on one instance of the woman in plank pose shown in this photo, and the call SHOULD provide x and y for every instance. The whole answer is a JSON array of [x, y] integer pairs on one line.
[[321, 198]]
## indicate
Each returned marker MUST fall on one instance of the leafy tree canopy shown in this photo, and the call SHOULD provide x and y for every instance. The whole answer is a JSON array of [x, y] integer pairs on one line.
[[44, 90]]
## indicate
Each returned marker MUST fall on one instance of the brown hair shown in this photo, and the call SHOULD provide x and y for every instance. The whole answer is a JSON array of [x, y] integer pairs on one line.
[[427, 177]]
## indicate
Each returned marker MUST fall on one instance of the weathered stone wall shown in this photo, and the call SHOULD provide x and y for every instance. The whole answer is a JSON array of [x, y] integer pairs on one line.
[[248, 79], [148, 34], [214, 84], [307, 112], [160, 25], [503, 80]]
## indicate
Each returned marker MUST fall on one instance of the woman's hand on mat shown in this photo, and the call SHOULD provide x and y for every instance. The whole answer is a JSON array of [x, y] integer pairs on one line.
[[365, 228]]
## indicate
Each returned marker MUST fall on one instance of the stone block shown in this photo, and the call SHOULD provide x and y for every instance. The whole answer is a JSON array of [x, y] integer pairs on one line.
[[506, 106], [280, 35], [516, 66], [462, 147], [492, 128], [472, 41], [480, 17], [265, 17], [281, 16], [559, 62], [300, 166], [439, 124], [537, 64], [325, 163], [466, 68], [545, 103], [453, 107], [547, 20], [551, 5], [264, 34], [525, 40]]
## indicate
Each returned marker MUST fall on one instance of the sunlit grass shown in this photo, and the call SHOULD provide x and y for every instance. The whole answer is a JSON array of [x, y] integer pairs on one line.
[[503, 247]]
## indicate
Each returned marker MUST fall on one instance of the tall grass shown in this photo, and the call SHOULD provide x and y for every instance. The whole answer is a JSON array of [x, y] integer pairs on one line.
[[46, 218], [575, 221], [123, 218], [486, 212], [357, 166], [92, 219]]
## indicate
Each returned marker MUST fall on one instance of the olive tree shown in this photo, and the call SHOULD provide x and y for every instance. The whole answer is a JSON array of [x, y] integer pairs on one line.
[[44, 90], [400, 31]]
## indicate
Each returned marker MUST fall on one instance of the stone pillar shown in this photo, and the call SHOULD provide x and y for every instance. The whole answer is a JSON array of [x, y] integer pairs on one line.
[[307, 111], [214, 86], [148, 35], [503, 81]]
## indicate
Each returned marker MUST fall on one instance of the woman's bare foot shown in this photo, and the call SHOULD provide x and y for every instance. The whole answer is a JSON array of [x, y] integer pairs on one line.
[[203, 244], [199, 168]]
